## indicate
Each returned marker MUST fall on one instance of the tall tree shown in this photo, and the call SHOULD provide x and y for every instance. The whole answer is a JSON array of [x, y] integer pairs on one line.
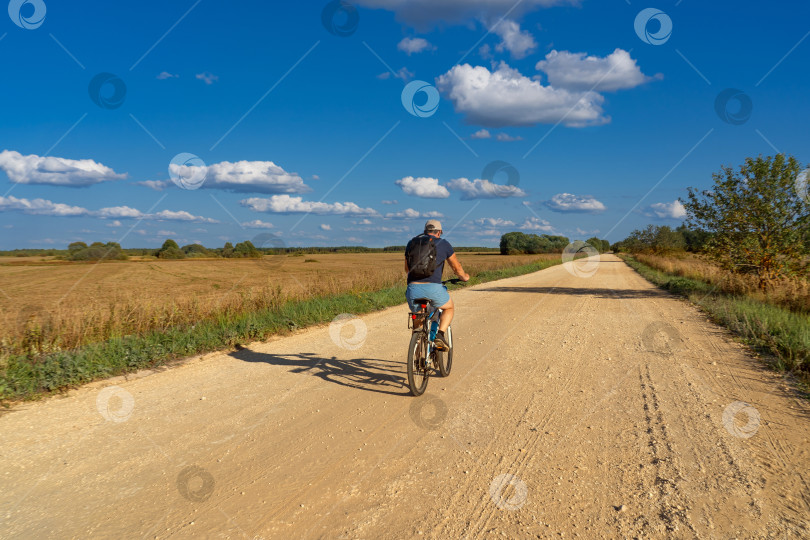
[[755, 218]]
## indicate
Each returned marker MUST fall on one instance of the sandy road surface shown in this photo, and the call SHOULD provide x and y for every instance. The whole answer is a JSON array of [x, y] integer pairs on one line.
[[577, 407]]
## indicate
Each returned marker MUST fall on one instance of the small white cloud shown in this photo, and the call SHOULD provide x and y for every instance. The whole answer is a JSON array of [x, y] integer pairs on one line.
[[536, 224], [157, 185], [40, 207], [507, 138], [119, 212], [414, 45], [207, 77], [379, 229], [180, 215], [567, 202], [483, 189], [518, 42], [257, 224], [494, 222], [355, 240], [316, 177], [577, 71], [33, 169], [363, 222], [410, 213], [163, 75], [426, 188], [481, 134], [325, 227], [391, 201], [285, 204], [165, 233], [403, 73], [673, 210]]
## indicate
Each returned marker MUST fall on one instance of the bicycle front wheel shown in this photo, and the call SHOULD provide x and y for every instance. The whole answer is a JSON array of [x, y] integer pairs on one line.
[[417, 370]]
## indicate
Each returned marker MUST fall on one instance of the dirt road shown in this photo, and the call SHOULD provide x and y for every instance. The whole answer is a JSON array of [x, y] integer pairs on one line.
[[578, 407]]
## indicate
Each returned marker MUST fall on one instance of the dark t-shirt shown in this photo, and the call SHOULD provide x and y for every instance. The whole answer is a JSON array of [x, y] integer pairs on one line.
[[443, 251]]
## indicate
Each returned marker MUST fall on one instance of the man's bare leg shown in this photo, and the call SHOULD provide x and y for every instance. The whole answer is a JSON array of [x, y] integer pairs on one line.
[[447, 316]]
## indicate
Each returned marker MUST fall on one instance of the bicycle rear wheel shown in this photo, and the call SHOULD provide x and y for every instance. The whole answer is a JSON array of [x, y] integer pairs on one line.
[[445, 358], [418, 373]]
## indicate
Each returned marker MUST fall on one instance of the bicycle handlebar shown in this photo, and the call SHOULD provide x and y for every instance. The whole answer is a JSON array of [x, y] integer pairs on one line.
[[454, 281]]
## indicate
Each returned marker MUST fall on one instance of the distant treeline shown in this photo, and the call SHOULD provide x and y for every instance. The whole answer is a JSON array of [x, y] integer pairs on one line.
[[80, 251], [662, 240]]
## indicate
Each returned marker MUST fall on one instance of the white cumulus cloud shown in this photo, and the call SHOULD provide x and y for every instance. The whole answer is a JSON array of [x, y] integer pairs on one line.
[[119, 212], [483, 189], [414, 45], [257, 224], [577, 71], [285, 204], [33, 169], [43, 207], [494, 222], [481, 134], [325, 227], [157, 185], [427, 188], [505, 97], [567, 202], [180, 215], [673, 210], [248, 177], [40, 207], [536, 224], [518, 42], [410, 213]]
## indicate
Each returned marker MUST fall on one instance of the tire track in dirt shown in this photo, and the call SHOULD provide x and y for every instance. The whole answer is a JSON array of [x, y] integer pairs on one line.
[[519, 411]]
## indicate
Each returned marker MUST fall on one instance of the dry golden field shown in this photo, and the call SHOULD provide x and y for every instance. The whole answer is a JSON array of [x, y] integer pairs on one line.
[[65, 305], [793, 294]]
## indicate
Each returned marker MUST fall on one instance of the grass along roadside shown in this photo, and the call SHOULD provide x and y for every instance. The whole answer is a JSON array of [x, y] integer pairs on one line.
[[28, 376], [766, 327]]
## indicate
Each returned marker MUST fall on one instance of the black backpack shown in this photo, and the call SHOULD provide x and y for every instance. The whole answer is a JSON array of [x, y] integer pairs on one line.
[[422, 257]]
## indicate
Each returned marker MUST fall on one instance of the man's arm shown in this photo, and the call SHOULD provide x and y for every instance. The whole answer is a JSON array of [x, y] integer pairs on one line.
[[456, 266]]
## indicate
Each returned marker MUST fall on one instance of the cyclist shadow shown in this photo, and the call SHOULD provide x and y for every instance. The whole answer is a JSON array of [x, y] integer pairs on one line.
[[371, 374]]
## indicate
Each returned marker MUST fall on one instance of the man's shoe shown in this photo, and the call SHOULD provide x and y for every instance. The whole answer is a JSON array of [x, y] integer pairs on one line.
[[441, 342]]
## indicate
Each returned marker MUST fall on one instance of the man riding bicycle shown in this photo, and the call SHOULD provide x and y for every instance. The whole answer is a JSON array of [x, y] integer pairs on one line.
[[424, 261]]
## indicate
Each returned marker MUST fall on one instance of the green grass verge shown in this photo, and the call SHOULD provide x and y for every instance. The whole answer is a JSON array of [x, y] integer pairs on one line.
[[25, 377], [771, 329]]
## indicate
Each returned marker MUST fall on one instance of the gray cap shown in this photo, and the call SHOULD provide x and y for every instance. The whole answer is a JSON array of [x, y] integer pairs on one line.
[[433, 225]]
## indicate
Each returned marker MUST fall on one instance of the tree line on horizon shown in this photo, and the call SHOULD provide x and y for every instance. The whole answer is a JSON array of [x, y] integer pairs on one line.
[[97, 251]]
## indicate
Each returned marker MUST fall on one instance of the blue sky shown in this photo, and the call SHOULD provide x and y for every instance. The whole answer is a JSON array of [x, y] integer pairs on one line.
[[303, 133]]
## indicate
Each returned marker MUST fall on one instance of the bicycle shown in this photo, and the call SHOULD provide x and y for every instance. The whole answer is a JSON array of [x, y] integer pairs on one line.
[[423, 357]]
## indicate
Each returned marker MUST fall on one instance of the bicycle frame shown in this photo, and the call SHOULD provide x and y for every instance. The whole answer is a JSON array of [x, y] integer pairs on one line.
[[427, 318]]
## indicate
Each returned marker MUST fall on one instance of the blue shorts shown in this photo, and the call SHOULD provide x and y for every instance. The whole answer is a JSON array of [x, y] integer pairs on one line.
[[436, 292]]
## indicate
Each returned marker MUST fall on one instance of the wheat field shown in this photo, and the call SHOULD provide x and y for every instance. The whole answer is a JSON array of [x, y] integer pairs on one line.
[[51, 305]]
